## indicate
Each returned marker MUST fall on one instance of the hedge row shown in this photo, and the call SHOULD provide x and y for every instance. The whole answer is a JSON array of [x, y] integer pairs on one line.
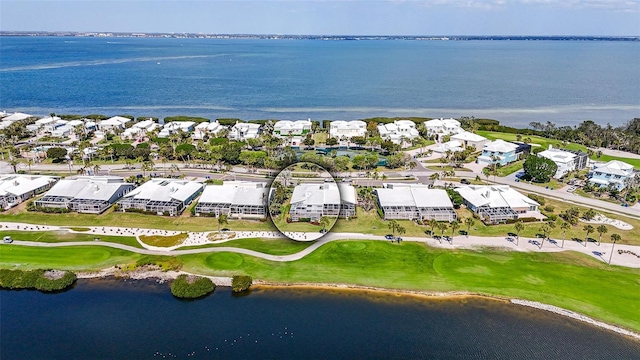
[[35, 279]]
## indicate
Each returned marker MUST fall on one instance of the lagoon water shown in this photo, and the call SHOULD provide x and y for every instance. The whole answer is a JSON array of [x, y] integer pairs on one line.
[[110, 319], [513, 81]]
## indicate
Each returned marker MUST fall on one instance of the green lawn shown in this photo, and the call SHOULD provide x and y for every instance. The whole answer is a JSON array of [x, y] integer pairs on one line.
[[446, 168], [630, 161], [543, 142], [164, 241], [263, 245], [569, 280], [510, 168], [64, 236]]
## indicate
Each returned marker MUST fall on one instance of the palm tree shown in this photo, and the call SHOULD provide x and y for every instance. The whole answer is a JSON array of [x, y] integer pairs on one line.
[[129, 164], [29, 163], [588, 229], [442, 227], [615, 238], [545, 233], [324, 222], [401, 230], [393, 225], [469, 222], [564, 227], [519, 226], [96, 169], [601, 230], [14, 164], [433, 223], [455, 225], [222, 220]]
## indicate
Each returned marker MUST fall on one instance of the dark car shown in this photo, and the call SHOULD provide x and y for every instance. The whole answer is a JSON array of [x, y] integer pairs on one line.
[[388, 237], [465, 181]]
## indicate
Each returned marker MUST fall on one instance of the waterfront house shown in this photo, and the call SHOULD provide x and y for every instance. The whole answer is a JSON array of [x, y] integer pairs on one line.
[[286, 128], [468, 139], [16, 117], [614, 173], [207, 129], [502, 152], [113, 124], [347, 129], [348, 200], [314, 200], [566, 161], [162, 196], [399, 132], [414, 202], [236, 199], [242, 131], [174, 127], [15, 189], [498, 203], [85, 194], [439, 128]]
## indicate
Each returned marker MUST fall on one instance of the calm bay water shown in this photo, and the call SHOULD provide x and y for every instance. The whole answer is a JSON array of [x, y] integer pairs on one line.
[[137, 320], [513, 81]]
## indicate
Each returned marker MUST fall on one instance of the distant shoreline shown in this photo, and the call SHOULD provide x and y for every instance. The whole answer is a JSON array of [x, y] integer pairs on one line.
[[344, 37]]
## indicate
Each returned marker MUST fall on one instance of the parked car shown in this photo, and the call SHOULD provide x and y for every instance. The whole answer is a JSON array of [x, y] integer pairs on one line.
[[571, 189], [465, 181], [7, 239], [388, 237]]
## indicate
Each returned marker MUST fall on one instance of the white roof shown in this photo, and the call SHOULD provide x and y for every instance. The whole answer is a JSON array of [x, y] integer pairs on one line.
[[418, 196], [292, 125], [235, 193], [115, 121], [16, 117], [75, 123], [143, 124], [354, 124], [615, 167], [47, 120], [467, 136], [88, 187], [165, 190], [22, 184], [316, 194], [494, 196], [347, 193], [500, 146], [558, 156]]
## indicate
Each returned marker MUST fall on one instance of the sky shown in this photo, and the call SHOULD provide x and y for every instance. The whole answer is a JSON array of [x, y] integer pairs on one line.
[[325, 17]]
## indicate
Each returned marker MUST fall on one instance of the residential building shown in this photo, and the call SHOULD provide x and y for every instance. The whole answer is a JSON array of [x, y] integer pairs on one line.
[[347, 129], [502, 152], [415, 202], [207, 128], [285, 128], [85, 194], [16, 117], [176, 127], [236, 199], [15, 189], [315, 200], [243, 130], [468, 139], [581, 160], [399, 132], [441, 127], [442, 148], [162, 196], [498, 203], [614, 173], [113, 123], [348, 200], [140, 129], [566, 161]]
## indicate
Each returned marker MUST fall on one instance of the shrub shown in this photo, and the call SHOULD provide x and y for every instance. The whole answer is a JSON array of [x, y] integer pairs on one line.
[[538, 199], [191, 287], [42, 280], [165, 262], [549, 208], [241, 283]]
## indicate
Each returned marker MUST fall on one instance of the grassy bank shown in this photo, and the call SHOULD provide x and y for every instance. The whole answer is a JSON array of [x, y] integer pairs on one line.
[[64, 236], [266, 246], [569, 280]]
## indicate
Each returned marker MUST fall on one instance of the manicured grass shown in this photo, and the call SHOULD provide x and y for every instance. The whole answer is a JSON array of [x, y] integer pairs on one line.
[[266, 246], [569, 280], [133, 220], [543, 142], [510, 168], [164, 241], [63, 258], [368, 222], [65, 236], [446, 168], [630, 161]]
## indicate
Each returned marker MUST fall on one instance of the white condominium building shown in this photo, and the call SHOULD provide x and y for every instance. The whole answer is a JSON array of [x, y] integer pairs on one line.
[[398, 131], [348, 129]]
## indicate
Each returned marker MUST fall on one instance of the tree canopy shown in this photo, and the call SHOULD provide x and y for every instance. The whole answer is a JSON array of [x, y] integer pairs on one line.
[[539, 169]]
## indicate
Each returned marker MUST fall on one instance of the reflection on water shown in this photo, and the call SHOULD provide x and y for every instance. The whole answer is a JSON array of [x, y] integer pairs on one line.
[[140, 319]]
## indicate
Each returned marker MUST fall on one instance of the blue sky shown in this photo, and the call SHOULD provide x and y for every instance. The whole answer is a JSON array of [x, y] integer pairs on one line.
[[378, 17]]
